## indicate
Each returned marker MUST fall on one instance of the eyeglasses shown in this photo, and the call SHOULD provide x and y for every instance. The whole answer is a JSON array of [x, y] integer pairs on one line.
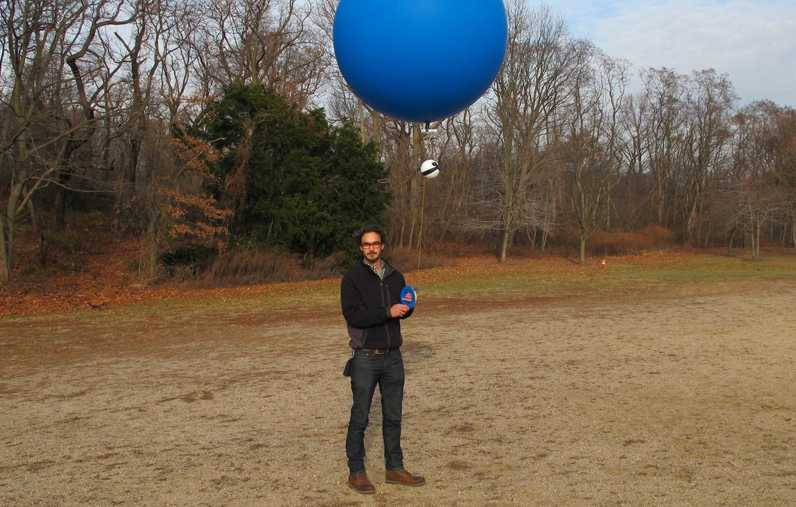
[[375, 244]]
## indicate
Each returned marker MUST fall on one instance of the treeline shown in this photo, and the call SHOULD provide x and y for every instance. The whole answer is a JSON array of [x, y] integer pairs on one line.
[[198, 123]]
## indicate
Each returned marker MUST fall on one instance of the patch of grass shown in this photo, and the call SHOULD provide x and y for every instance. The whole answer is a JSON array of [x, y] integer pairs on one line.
[[560, 277], [480, 279]]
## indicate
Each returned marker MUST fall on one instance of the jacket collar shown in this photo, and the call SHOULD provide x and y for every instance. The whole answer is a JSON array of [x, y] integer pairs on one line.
[[388, 270]]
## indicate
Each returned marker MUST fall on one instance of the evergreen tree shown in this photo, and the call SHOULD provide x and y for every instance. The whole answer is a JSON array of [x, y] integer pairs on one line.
[[291, 178]]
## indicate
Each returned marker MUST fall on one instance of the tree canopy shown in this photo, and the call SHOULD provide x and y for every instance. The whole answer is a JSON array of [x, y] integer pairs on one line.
[[290, 177], [565, 144]]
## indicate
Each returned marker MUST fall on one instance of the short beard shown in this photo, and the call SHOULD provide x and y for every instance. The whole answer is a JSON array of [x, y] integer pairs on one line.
[[375, 262]]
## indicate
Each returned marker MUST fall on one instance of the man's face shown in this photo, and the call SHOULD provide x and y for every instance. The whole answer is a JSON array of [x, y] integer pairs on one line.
[[371, 246]]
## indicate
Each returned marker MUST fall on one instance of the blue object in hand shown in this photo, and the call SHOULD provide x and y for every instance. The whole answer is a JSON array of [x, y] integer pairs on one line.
[[412, 291]]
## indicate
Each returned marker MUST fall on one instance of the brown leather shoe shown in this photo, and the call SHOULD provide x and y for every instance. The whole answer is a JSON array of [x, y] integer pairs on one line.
[[361, 484], [403, 477]]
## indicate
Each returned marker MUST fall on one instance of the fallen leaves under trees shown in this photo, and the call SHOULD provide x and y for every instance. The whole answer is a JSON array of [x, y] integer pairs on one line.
[[106, 276]]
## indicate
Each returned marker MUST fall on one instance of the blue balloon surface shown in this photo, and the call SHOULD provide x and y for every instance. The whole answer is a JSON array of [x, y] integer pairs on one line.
[[420, 60]]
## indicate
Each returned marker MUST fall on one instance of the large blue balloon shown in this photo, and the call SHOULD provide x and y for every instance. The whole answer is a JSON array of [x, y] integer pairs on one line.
[[420, 60]]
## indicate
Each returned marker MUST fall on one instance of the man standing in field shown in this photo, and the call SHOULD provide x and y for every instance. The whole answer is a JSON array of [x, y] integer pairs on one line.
[[371, 299]]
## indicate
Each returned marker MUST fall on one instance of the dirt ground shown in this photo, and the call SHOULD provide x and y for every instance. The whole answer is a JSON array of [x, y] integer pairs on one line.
[[676, 399]]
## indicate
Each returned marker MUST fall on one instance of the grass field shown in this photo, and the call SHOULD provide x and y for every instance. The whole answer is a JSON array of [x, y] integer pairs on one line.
[[480, 277]]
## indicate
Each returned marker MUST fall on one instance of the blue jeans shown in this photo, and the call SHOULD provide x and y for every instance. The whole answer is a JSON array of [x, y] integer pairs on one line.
[[386, 370]]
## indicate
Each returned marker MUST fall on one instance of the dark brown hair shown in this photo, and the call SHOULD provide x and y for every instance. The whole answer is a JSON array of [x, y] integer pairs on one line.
[[370, 228]]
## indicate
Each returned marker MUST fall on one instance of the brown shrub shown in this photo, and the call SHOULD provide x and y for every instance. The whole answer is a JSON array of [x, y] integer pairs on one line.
[[455, 250], [630, 243], [268, 265], [660, 237], [406, 259]]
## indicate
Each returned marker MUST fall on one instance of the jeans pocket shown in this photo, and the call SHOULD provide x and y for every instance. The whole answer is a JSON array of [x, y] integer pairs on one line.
[[348, 365]]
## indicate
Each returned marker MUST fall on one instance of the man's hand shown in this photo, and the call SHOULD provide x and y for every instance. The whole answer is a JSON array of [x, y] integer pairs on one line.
[[398, 310]]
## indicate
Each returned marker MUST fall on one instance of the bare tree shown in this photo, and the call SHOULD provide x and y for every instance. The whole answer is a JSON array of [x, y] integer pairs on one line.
[[536, 78], [665, 117], [614, 75], [633, 201], [457, 147], [176, 24], [271, 42], [591, 141], [49, 97], [783, 153], [400, 143], [710, 109], [755, 190]]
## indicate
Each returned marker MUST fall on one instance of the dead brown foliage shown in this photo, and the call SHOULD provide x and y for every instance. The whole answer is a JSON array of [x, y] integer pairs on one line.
[[630, 243], [266, 265], [89, 267]]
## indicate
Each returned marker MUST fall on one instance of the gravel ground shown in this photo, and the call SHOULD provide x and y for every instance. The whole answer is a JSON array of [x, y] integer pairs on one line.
[[674, 399]]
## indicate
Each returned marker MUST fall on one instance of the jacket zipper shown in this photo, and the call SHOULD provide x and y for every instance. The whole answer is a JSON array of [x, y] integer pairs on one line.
[[385, 301]]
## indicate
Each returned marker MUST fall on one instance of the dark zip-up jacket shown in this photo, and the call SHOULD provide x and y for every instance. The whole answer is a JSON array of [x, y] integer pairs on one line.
[[366, 301]]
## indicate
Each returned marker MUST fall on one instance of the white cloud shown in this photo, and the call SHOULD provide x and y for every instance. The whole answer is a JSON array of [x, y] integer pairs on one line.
[[754, 42]]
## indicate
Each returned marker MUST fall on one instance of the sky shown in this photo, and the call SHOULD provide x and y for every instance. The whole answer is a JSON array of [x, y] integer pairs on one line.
[[753, 42]]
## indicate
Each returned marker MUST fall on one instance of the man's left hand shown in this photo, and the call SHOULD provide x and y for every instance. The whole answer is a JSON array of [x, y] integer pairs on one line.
[[398, 310]]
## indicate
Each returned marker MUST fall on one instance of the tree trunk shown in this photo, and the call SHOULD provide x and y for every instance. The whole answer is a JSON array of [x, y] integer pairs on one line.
[[690, 225], [7, 234], [375, 134], [361, 108], [504, 245], [5, 252], [414, 191], [34, 217], [732, 239], [508, 209], [793, 230], [64, 176], [755, 238], [582, 248], [59, 207], [708, 232], [150, 249]]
